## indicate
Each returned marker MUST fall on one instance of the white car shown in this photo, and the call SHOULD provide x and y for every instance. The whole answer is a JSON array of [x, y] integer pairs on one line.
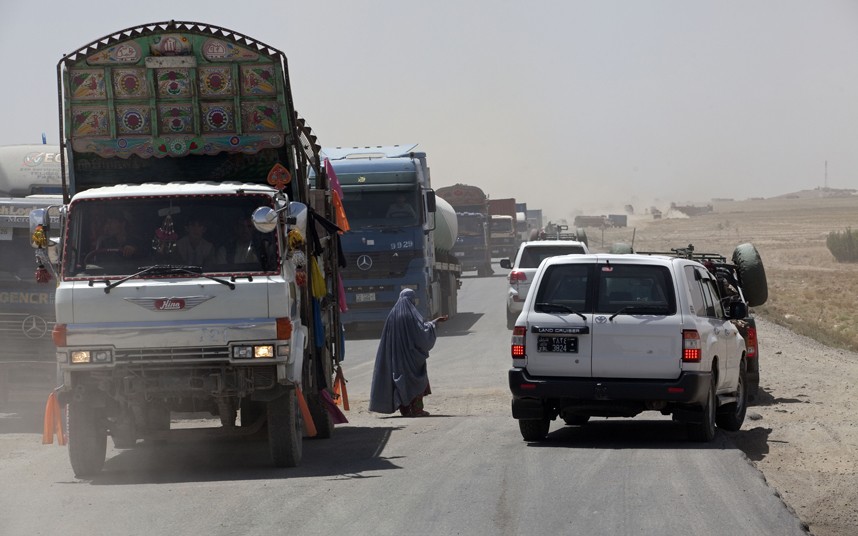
[[523, 268], [615, 335]]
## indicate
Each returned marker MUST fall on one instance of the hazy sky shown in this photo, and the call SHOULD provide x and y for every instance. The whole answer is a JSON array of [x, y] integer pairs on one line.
[[565, 105]]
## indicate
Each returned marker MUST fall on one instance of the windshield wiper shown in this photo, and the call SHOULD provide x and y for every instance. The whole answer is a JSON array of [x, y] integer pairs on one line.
[[638, 308], [163, 269], [562, 306]]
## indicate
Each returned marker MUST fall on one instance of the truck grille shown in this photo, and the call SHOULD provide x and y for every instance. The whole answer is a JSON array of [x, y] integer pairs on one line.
[[130, 355], [381, 265], [26, 337]]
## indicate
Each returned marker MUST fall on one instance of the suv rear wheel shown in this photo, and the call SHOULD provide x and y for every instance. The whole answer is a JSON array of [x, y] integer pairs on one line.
[[731, 416], [534, 429], [704, 431]]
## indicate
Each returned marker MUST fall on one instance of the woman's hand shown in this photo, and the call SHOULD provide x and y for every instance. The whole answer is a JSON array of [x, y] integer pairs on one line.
[[442, 318]]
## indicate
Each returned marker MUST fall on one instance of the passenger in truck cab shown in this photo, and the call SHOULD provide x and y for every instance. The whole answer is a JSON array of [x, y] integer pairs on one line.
[[114, 237], [193, 248], [401, 209], [247, 246]]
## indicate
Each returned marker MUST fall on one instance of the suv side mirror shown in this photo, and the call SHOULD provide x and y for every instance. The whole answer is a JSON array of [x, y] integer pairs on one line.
[[505, 263]]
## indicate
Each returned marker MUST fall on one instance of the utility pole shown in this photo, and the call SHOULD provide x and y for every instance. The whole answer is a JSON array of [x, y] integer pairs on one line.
[[826, 174]]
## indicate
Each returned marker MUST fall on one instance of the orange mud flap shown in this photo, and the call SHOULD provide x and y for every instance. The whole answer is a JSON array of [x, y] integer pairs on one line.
[[341, 394], [53, 423], [309, 425]]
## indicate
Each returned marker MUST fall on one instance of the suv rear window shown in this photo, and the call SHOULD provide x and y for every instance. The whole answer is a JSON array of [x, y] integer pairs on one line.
[[532, 256], [603, 288]]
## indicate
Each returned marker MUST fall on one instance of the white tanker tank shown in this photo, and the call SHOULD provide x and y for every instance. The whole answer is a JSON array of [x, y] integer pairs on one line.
[[446, 225]]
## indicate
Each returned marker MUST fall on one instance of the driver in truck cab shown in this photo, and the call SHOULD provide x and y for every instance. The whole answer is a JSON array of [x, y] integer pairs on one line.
[[114, 236]]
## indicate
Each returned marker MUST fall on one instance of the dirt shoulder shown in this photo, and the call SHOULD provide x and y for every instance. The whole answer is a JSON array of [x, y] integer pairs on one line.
[[801, 433]]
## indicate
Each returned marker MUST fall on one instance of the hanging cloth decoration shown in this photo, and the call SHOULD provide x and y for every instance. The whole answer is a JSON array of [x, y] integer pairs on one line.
[[164, 242], [53, 424], [317, 280], [309, 425], [42, 274], [341, 394], [340, 212]]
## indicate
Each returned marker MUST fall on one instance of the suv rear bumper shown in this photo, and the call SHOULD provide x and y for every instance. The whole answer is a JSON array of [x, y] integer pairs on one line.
[[533, 395]]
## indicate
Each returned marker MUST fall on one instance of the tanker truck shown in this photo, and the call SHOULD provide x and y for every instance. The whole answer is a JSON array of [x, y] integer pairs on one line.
[[401, 234], [472, 210]]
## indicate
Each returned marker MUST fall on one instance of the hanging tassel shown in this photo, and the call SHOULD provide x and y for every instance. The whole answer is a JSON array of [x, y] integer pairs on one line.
[[341, 394], [42, 274], [53, 423], [337, 415], [40, 239], [309, 425]]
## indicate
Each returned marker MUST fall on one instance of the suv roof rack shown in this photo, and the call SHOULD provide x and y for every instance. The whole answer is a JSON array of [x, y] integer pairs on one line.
[[689, 253]]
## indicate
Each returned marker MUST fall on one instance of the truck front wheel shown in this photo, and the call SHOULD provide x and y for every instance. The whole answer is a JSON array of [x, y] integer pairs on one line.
[[87, 430], [285, 430]]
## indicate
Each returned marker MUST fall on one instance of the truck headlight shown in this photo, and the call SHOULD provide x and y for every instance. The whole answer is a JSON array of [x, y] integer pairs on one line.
[[263, 351], [80, 356]]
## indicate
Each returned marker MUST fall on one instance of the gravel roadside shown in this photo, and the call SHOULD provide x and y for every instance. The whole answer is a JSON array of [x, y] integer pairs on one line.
[[801, 432]]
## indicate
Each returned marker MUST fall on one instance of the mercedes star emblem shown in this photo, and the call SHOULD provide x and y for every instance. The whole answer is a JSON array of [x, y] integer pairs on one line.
[[364, 262], [34, 327]]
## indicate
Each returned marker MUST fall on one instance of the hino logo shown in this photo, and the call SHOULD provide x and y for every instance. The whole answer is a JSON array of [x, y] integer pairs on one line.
[[169, 304], [364, 262]]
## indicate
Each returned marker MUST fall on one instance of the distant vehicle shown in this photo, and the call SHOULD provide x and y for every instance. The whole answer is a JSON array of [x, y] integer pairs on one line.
[[503, 233], [472, 248], [29, 179], [527, 260], [389, 249], [616, 335]]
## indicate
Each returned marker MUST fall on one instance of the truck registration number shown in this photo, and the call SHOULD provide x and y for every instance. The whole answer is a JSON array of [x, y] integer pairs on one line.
[[557, 344], [361, 297]]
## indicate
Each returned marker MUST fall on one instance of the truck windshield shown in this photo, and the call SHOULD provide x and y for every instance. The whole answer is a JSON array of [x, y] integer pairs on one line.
[[373, 208], [501, 225], [470, 225], [118, 236]]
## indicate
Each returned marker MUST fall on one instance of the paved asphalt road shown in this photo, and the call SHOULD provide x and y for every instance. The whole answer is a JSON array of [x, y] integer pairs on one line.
[[463, 470]]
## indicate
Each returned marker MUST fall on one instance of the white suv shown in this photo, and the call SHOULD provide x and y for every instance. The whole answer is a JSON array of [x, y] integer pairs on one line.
[[616, 335], [527, 260]]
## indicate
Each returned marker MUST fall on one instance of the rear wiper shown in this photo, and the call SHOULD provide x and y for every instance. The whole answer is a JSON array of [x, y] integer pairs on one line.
[[561, 306], [163, 269], [638, 308]]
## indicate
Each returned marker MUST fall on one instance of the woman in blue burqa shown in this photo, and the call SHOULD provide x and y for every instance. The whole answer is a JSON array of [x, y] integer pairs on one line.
[[399, 380]]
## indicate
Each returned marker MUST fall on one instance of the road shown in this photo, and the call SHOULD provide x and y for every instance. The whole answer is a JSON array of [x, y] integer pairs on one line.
[[463, 470]]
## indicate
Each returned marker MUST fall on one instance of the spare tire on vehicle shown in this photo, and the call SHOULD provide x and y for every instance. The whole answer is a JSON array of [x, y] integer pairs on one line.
[[752, 275]]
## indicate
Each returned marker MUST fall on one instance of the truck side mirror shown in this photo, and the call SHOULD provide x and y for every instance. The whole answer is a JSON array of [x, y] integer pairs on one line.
[[39, 217], [430, 201], [505, 263]]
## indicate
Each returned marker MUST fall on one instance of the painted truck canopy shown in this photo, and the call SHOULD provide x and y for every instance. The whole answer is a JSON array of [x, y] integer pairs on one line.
[[138, 100]]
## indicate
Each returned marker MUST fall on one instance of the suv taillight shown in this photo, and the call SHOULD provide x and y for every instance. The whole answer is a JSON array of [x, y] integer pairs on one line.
[[518, 336], [751, 343], [691, 351], [516, 276]]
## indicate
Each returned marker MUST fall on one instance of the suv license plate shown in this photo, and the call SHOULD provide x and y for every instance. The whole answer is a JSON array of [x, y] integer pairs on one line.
[[365, 297], [557, 344]]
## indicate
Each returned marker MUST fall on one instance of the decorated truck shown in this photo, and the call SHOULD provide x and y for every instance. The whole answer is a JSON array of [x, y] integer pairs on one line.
[[401, 235], [29, 179], [197, 267], [472, 214]]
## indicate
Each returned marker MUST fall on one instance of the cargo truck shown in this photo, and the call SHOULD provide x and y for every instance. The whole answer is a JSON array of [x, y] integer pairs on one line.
[[169, 128], [29, 179], [401, 234], [502, 228], [472, 212]]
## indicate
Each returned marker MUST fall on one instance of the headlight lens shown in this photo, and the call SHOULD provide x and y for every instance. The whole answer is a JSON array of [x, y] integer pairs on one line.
[[263, 351], [80, 356]]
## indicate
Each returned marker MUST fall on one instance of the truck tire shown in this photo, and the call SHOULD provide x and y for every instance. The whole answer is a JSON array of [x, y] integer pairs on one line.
[[534, 429], [582, 236], [321, 417], [704, 431], [752, 274], [285, 430], [731, 416], [87, 438], [485, 270]]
